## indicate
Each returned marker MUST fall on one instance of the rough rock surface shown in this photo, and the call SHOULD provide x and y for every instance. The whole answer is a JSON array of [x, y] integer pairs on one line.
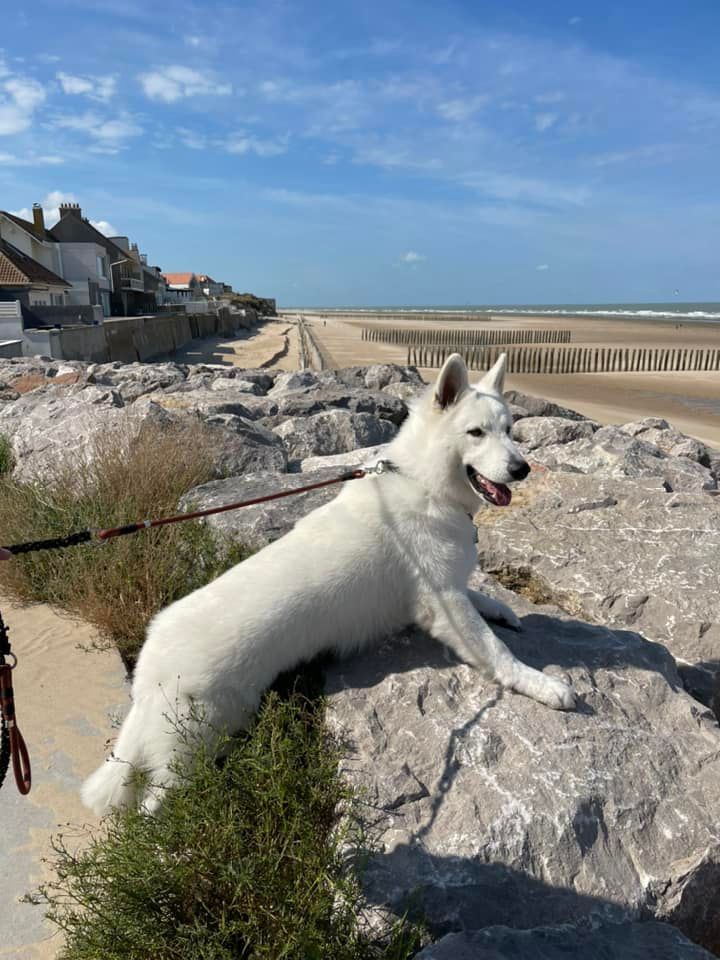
[[259, 525], [622, 552], [333, 431], [493, 809], [610, 452], [364, 457], [621, 941], [533, 432], [538, 407], [48, 408]]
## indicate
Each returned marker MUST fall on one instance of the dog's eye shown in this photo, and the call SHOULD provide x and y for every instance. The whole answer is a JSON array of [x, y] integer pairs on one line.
[[477, 432]]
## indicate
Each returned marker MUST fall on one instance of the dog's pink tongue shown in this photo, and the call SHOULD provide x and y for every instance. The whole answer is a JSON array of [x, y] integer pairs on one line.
[[501, 495]]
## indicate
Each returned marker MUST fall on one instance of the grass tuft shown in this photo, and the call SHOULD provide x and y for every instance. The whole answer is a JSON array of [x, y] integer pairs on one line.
[[7, 456], [244, 860], [117, 586]]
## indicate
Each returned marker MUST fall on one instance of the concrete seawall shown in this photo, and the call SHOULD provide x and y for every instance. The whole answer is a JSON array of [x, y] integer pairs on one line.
[[135, 338]]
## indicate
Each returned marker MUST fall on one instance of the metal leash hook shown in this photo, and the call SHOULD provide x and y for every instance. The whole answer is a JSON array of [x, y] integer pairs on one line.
[[12, 746]]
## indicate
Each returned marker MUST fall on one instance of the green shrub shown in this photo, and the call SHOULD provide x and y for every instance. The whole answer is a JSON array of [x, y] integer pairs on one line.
[[243, 860], [119, 585]]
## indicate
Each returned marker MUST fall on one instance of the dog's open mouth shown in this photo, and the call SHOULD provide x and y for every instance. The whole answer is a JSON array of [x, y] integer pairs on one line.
[[496, 493]]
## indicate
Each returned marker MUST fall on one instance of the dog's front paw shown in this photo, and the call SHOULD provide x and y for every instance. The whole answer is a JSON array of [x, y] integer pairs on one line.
[[555, 693]]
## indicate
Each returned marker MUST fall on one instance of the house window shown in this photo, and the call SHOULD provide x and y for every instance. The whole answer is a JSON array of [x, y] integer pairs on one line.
[[102, 267]]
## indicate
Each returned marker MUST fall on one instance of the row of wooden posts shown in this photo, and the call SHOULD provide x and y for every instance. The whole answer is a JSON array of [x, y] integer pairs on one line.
[[573, 359], [459, 338]]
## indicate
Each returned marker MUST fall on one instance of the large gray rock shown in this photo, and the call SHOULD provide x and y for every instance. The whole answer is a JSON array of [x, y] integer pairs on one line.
[[533, 432], [46, 424], [206, 402], [258, 525], [134, 380], [606, 941], [623, 553], [492, 809], [538, 407], [291, 382], [611, 452], [241, 446], [304, 403], [675, 444], [365, 457], [333, 431]]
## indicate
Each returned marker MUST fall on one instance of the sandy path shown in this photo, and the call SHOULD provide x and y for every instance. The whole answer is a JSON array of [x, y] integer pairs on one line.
[[689, 400], [63, 697], [250, 348]]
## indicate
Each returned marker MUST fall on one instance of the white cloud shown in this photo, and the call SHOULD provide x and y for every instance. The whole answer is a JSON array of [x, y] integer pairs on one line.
[[460, 109], [659, 152], [543, 121], [51, 210], [109, 134], [505, 186], [97, 88], [191, 139], [173, 83], [107, 229], [50, 205], [412, 257], [543, 266], [30, 160], [26, 93], [556, 96], [19, 98], [573, 21], [241, 143]]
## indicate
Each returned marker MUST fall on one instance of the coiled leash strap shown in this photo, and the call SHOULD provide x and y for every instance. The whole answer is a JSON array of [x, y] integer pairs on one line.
[[12, 744]]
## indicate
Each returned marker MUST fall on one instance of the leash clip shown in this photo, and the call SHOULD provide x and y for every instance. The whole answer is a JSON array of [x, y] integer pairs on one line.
[[382, 466]]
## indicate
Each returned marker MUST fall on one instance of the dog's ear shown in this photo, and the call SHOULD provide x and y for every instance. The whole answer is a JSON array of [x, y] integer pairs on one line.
[[452, 382], [494, 379]]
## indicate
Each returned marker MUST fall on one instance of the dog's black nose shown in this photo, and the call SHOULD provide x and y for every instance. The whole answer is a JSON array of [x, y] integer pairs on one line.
[[520, 471]]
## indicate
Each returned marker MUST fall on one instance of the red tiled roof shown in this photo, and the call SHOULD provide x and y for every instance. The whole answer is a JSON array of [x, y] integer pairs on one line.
[[178, 279], [17, 269]]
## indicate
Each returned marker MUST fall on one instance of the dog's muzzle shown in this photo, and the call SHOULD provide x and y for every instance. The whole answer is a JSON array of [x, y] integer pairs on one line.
[[495, 493]]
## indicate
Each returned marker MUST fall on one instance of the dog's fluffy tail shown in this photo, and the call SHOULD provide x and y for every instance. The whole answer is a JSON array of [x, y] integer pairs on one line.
[[115, 783]]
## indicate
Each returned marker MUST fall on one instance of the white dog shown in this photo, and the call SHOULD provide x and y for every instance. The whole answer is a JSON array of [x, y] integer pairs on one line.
[[391, 549]]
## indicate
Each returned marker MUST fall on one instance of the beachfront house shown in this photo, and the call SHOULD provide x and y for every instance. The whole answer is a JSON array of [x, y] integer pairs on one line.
[[182, 287]]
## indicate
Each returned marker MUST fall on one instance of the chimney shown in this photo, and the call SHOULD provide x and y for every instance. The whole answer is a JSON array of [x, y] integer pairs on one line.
[[70, 210], [39, 220]]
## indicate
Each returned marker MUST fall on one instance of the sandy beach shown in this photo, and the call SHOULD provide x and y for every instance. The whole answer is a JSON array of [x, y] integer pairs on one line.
[[691, 400], [273, 345], [64, 693]]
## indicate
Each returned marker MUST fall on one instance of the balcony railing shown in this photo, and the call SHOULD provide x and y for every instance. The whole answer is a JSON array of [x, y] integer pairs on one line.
[[131, 283]]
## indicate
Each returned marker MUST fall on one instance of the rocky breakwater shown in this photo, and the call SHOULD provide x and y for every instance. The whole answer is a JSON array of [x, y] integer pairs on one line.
[[515, 830]]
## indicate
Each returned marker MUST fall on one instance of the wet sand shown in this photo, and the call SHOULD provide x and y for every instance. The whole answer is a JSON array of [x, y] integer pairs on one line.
[[690, 400]]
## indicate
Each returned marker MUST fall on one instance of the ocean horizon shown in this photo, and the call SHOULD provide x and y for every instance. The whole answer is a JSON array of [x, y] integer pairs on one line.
[[705, 311]]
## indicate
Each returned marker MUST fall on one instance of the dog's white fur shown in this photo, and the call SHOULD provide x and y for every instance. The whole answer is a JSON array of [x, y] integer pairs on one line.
[[390, 550]]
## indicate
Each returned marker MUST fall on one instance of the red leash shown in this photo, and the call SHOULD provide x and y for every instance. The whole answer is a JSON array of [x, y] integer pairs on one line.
[[149, 524], [15, 743]]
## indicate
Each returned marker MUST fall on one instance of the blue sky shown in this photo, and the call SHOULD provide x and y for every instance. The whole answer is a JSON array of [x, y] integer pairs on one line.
[[522, 151]]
